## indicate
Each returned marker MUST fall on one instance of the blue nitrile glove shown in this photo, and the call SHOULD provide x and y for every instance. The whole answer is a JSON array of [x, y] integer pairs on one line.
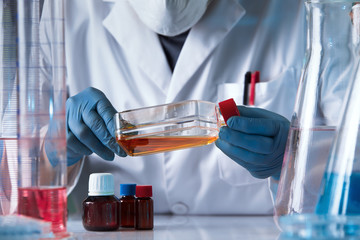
[[256, 140], [90, 126], [52, 146]]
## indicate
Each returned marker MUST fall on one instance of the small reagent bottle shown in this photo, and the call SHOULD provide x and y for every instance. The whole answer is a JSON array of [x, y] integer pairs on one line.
[[101, 207], [144, 208], [127, 205]]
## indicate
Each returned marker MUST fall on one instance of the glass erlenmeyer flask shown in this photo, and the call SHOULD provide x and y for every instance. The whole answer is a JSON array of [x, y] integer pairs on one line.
[[329, 65], [340, 191]]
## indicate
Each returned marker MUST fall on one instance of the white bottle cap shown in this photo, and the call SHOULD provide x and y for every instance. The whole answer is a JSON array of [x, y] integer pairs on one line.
[[101, 184]]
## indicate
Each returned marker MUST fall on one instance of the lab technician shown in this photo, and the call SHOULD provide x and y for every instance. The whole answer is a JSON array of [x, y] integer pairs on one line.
[[139, 53]]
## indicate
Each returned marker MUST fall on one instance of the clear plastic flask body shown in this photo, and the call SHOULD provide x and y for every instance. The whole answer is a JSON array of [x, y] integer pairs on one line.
[[8, 108], [329, 65], [167, 127], [41, 112]]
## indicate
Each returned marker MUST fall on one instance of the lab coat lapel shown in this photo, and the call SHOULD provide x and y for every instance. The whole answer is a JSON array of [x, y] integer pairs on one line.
[[203, 38], [139, 43]]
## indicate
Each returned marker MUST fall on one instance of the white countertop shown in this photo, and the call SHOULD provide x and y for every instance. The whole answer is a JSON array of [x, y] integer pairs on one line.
[[189, 227]]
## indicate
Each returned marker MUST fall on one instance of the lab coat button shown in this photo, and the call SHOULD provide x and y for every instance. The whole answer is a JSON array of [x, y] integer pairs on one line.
[[179, 208]]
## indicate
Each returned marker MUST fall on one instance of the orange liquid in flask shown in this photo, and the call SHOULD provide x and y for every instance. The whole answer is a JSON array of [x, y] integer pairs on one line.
[[149, 145]]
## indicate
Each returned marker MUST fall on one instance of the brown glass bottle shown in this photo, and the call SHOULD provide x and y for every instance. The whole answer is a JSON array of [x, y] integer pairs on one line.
[[144, 208], [100, 213], [127, 205], [101, 207]]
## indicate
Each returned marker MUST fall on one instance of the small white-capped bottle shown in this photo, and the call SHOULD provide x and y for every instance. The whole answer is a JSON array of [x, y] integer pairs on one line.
[[101, 207]]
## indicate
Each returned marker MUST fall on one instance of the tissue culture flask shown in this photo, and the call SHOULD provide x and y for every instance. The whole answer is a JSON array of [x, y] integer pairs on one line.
[[156, 144], [167, 127], [48, 204]]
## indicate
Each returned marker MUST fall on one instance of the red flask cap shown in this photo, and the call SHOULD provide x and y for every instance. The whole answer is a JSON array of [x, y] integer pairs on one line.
[[144, 191], [228, 109]]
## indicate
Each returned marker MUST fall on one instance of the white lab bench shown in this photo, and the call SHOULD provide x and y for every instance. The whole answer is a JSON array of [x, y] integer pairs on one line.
[[173, 227]]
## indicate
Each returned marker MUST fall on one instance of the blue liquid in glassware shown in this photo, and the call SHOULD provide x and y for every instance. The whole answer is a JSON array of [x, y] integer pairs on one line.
[[352, 194], [353, 206]]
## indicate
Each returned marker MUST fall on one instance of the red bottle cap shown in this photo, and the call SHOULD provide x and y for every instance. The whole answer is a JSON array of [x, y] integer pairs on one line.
[[228, 109], [144, 191]]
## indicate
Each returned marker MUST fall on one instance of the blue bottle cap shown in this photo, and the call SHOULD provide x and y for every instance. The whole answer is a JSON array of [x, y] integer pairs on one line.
[[127, 189]]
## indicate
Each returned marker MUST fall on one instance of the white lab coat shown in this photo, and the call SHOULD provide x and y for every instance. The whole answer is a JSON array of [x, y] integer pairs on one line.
[[109, 48]]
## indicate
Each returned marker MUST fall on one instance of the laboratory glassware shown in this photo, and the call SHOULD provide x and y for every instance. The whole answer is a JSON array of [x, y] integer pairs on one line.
[[8, 108], [167, 127], [339, 193], [341, 183], [41, 112], [330, 62]]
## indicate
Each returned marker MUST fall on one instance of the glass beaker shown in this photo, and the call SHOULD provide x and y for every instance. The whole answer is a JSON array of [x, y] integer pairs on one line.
[[8, 107], [41, 114], [330, 61], [167, 127]]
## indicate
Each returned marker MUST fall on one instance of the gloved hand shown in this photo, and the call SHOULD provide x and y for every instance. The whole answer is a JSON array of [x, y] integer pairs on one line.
[[256, 140], [51, 143], [90, 126]]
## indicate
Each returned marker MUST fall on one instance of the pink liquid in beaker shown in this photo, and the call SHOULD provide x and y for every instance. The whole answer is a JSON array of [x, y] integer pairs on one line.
[[48, 204]]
